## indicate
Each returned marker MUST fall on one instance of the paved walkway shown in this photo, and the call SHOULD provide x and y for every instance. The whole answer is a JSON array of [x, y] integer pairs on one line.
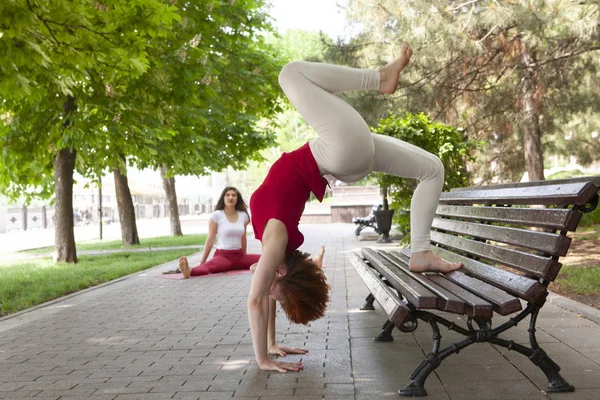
[[143, 337]]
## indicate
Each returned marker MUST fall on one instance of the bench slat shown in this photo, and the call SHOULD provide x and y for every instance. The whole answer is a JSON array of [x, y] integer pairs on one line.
[[521, 286], [415, 293], [502, 302], [595, 179], [553, 218], [396, 310], [476, 306], [560, 194], [446, 301], [549, 243], [531, 264]]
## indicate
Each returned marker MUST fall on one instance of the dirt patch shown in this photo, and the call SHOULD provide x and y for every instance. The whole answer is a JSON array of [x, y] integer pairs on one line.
[[584, 252]]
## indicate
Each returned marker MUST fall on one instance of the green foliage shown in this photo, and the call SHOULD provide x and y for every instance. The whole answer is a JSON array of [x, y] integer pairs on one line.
[[215, 85], [483, 64], [53, 51], [579, 133], [448, 143], [296, 44], [160, 81]]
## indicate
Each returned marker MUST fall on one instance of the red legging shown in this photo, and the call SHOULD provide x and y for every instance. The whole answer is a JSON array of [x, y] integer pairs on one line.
[[226, 260]]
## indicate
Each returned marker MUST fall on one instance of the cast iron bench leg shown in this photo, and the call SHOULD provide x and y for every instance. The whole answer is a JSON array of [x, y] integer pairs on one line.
[[386, 333], [368, 306], [556, 383]]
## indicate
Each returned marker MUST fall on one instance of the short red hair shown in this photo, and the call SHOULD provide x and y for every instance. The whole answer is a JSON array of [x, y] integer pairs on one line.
[[305, 289]]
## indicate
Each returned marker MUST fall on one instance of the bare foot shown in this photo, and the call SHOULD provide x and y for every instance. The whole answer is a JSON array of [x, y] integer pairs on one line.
[[390, 74], [184, 267], [423, 261], [318, 258]]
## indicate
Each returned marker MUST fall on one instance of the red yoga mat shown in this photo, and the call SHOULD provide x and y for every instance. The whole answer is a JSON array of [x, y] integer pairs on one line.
[[180, 276]]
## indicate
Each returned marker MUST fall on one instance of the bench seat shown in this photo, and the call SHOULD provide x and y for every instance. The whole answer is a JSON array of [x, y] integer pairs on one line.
[[510, 239]]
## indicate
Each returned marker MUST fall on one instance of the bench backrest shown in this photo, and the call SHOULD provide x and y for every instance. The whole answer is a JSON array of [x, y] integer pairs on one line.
[[512, 236]]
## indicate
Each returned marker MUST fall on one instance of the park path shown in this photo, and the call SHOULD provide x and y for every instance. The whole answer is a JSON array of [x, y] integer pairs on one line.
[[146, 337]]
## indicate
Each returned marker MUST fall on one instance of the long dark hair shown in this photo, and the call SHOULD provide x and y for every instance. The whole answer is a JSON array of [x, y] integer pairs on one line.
[[240, 205]]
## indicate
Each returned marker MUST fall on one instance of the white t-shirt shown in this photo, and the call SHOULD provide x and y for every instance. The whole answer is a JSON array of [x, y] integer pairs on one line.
[[229, 234]]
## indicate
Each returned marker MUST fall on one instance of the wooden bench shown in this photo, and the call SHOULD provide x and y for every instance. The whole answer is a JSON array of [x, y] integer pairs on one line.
[[510, 247]]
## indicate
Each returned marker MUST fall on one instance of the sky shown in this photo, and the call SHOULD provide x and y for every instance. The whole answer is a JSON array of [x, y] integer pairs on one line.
[[310, 15]]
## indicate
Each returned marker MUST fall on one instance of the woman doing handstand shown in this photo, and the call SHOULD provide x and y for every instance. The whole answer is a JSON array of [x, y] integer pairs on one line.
[[346, 149]]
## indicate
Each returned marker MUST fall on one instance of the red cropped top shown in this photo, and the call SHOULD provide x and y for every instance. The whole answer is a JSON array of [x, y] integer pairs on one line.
[[284, 193]]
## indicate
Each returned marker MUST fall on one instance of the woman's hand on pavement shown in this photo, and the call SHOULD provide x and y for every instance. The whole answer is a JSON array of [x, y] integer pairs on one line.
[[280, 366], [283, 350]]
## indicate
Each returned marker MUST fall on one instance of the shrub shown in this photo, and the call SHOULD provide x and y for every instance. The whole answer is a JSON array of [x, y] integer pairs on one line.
[[450, 144], [592, 218]]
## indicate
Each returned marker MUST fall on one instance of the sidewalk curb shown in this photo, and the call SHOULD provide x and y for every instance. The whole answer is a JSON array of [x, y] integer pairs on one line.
[[574, 306], [80, 292], [17, 256]]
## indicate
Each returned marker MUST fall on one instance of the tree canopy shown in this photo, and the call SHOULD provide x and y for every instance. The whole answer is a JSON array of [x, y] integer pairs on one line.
[[93, 85], [512, 73], [160, 82]]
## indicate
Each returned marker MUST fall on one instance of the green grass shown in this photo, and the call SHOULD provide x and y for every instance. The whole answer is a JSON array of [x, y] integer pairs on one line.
[[24, 284], [580, 280], [574, 173], [591, 236], [592, 218], [590, 228], [161, 241]]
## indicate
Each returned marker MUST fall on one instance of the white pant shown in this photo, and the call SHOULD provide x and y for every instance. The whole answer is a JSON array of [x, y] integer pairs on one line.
[[348, 150]]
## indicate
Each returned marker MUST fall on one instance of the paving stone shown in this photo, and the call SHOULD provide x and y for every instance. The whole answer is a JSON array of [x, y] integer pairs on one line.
[[145, 396], [13, 386], [19, 395], [512, 390], [579, 394]]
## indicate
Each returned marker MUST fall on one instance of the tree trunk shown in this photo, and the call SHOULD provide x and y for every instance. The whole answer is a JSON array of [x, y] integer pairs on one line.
[[64, 237], [64, 165], [129, 233], [169, 186], [384, 193], [531, 112]]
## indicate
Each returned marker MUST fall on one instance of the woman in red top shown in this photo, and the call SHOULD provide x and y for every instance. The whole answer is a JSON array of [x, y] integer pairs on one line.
[[346, 149]]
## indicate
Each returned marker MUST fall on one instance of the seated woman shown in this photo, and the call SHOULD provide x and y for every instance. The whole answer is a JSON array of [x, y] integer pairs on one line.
[[228, 224]]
